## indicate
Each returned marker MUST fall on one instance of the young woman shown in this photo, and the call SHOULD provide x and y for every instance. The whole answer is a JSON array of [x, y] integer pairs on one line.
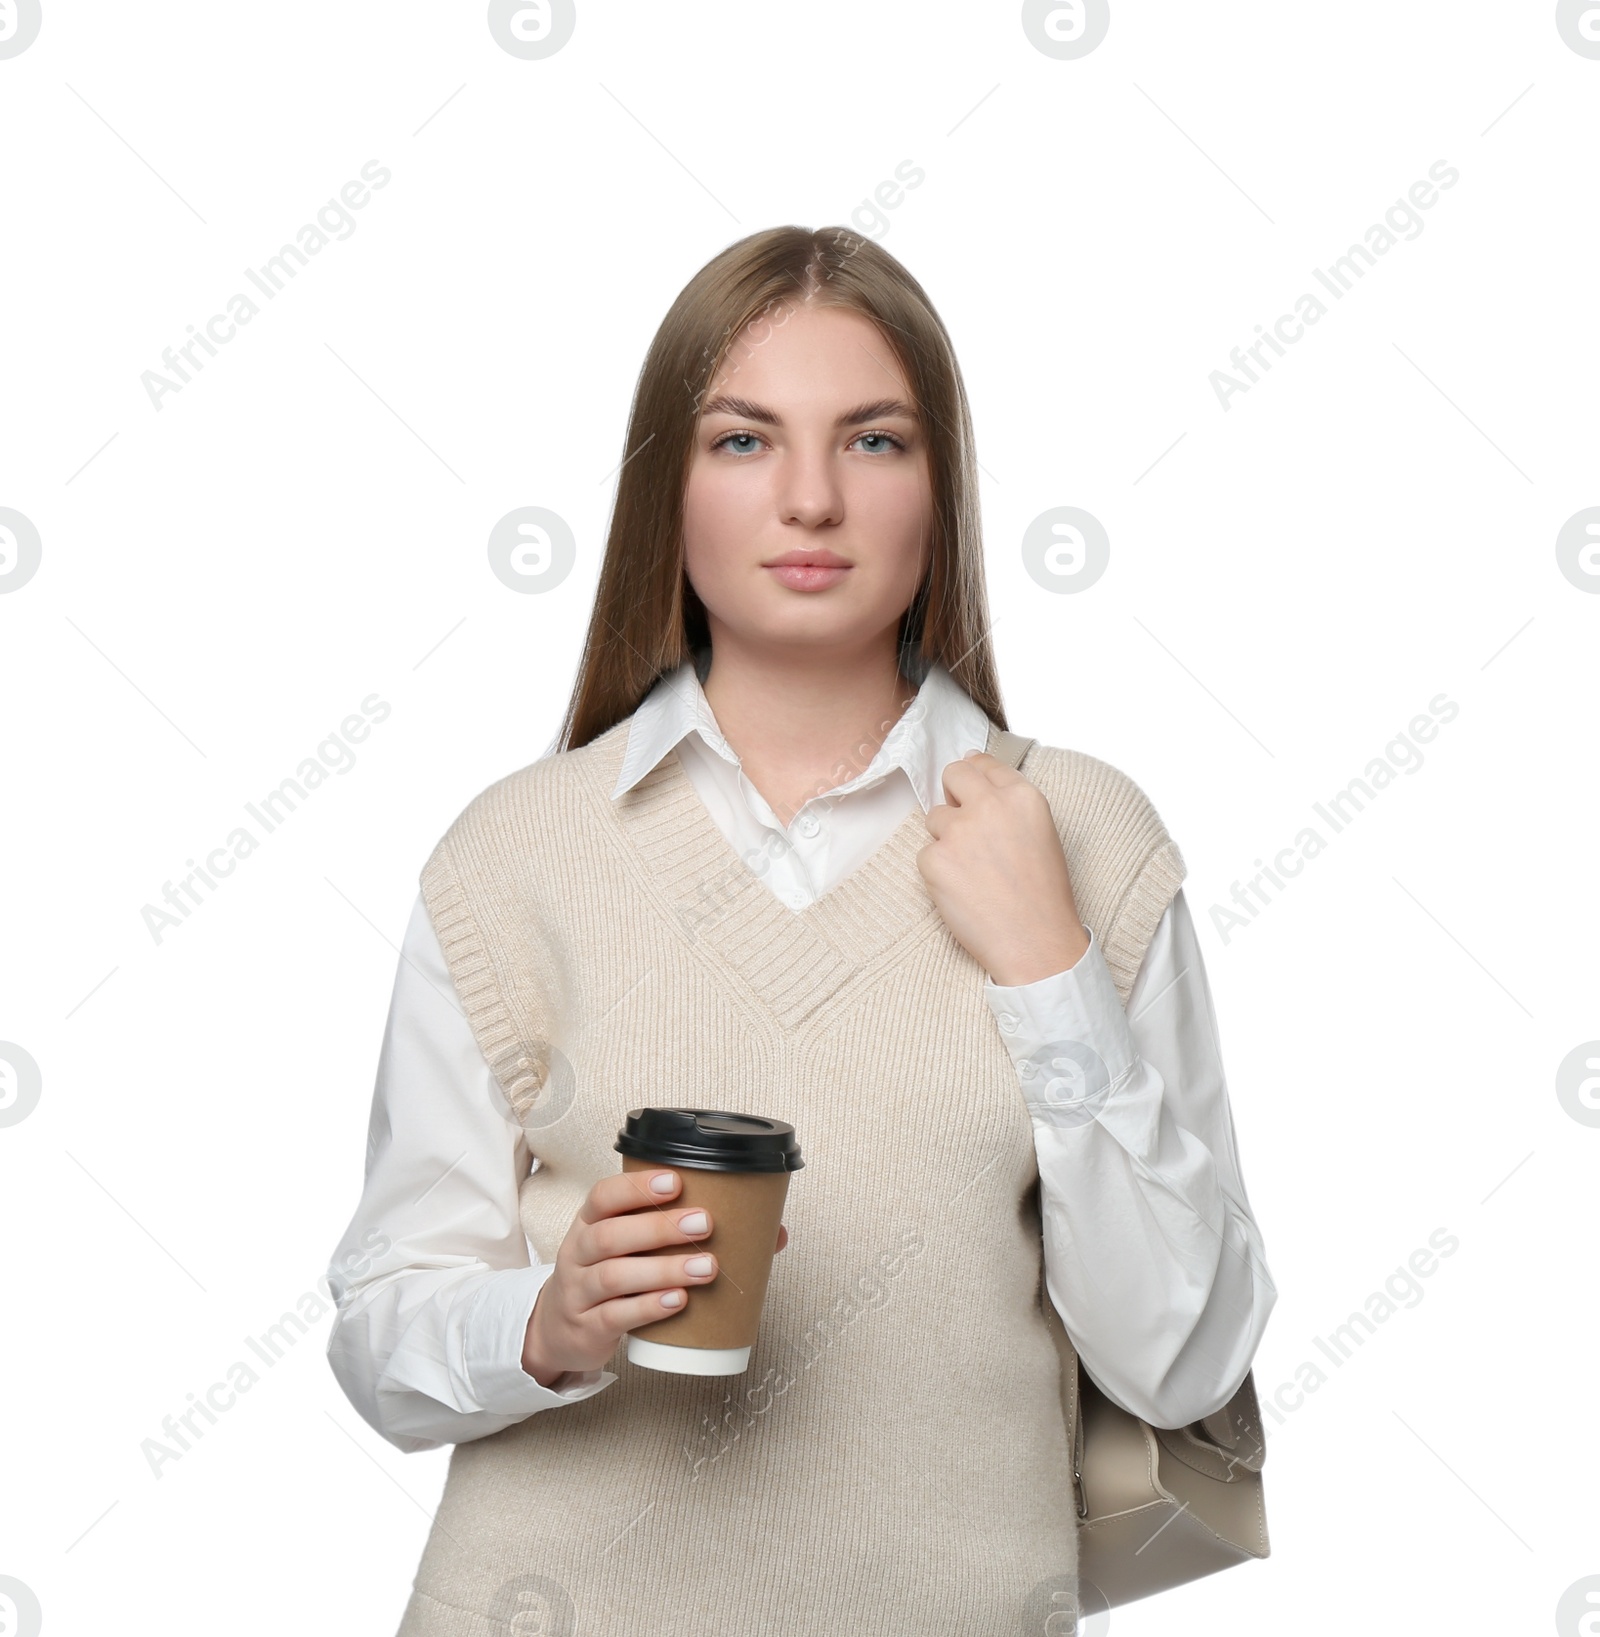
[[776, 868]]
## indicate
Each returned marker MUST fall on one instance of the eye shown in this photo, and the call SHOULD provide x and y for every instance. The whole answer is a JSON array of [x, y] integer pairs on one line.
[[885, 437], [729, 438]]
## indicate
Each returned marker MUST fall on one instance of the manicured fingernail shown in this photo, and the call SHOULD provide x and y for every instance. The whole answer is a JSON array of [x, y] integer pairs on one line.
[[672, 1298], [694, 1222], [699, 1266], [661, 1182]]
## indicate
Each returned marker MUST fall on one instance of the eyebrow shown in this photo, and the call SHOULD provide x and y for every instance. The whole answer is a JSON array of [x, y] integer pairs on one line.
[[743, 409]]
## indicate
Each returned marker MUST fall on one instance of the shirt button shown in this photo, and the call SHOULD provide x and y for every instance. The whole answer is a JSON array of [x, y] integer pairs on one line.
[[808, 825], [795, 900], [1008, 1022]]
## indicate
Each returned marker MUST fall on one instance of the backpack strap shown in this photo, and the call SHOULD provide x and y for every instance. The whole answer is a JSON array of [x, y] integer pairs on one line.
[[1009, 748]]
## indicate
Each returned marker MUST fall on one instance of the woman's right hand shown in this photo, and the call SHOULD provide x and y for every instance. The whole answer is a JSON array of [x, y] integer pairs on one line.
[[600, 1289]]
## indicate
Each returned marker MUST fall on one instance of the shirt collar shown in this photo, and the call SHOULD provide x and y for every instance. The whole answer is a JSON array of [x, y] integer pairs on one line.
[[941, 725]]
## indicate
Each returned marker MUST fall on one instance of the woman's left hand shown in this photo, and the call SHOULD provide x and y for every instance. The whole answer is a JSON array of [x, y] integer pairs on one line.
[[996, 873]]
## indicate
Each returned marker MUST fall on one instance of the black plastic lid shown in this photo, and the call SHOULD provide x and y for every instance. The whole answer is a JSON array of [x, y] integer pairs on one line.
[[709, 1139]]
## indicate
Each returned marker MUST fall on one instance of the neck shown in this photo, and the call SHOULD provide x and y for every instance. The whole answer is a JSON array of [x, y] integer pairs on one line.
[[802, 722]]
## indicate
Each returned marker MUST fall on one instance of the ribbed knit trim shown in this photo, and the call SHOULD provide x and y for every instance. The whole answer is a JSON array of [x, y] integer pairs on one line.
[[1123, 890], [479, 984], [794, 962], [1133, 923]]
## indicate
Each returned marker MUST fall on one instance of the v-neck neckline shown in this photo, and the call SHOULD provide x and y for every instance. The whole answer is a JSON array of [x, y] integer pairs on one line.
[[794, 961]]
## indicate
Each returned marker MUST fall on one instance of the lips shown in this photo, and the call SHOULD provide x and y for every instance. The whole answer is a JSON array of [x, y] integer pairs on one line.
[[808, 570]]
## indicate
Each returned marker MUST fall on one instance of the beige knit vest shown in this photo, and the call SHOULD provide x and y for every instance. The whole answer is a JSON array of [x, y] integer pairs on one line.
[[894, 1460]]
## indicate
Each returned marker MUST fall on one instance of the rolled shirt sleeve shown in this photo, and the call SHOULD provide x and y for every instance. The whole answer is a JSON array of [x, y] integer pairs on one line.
[[1152, 1255]]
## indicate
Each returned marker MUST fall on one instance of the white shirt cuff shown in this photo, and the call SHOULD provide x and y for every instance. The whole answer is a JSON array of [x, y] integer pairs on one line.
[[496, 1328], [1069, 1038]]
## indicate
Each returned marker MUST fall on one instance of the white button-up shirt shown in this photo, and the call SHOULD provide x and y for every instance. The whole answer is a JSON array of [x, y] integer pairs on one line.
[[1152, 1256]]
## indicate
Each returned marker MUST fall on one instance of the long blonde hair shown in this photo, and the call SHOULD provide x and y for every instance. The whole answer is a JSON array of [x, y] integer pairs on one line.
[[647, 619]]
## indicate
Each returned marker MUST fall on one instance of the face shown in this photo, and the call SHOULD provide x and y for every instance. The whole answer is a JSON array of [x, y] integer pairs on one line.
[[808, 451]]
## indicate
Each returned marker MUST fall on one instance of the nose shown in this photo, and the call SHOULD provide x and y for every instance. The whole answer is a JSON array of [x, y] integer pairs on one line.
[[809, 491]]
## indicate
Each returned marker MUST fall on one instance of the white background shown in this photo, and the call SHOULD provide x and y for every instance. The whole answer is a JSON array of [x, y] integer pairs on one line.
[[1292, 579]]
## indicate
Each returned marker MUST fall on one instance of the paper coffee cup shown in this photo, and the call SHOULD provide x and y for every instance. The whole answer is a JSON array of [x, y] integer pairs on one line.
[[735, 1166]]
